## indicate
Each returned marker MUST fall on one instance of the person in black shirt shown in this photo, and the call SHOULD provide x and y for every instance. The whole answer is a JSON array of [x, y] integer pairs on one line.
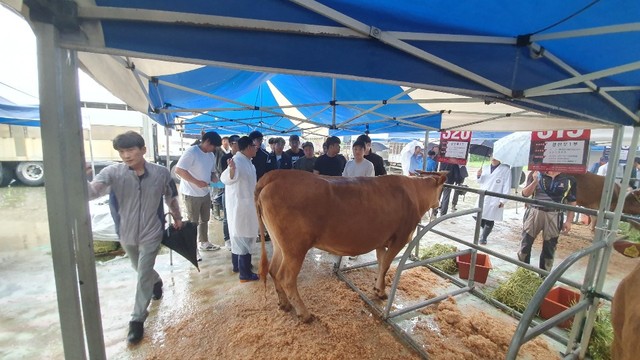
[[260, 160], [550, 186], [294, 152], [454, 177], [376, 160], [331, 163], [278, 159], [233, 146]]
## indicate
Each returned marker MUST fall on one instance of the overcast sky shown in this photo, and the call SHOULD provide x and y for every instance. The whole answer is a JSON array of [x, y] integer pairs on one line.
[[19, 67]]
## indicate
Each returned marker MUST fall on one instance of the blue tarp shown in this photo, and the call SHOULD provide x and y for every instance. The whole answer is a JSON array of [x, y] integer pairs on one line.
[[12, 114], [499, 49]]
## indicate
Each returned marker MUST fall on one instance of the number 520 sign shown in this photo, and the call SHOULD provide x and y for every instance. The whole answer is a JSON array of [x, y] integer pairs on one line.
[[454, 146]]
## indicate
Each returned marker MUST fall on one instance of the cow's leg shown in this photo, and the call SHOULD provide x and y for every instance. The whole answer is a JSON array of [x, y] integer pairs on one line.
[[274, 269], [379, 287], [289, 274], [385, 259]]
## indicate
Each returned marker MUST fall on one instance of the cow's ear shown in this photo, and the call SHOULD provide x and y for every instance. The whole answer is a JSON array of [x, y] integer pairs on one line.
[[442, 178]]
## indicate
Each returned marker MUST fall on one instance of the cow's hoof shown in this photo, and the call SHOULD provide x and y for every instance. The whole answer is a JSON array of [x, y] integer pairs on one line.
[[306, 318], [380, 294], [285, 307]]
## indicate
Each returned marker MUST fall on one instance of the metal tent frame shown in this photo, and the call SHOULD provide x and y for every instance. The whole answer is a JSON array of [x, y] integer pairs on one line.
[[59, 37]]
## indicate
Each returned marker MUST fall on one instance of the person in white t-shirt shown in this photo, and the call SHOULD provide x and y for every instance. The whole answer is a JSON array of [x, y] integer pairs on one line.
[[196, 168], [358, 166]]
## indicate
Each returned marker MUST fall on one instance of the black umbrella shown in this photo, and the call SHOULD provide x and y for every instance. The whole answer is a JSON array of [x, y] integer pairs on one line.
[[183, 241], [485, 148]]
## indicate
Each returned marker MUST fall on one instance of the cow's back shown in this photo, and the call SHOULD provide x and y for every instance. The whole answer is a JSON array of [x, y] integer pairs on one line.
[[341, 215]]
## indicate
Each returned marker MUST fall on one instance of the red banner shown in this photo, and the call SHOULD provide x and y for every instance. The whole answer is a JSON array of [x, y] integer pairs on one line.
[[454, 146], [560, 150]]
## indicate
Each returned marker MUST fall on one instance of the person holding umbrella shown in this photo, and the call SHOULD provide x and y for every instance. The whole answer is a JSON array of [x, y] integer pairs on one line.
[[137, 188], [494, 177], [240, 182]]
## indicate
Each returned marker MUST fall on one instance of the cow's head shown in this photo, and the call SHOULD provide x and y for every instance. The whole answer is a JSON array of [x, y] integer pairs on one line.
[[429, 192], [632, 203]]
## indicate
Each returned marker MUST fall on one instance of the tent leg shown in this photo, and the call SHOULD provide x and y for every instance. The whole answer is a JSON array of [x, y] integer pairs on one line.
[[66, 194]]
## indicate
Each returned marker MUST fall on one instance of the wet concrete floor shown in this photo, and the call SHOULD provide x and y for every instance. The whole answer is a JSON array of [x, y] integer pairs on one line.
[[29, 321]]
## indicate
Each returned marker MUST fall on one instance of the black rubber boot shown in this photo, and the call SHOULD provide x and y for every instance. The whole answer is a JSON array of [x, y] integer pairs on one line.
[[234, 262], [244, 265]]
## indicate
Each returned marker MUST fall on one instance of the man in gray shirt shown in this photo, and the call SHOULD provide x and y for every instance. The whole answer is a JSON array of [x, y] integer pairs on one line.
[[137, 188]]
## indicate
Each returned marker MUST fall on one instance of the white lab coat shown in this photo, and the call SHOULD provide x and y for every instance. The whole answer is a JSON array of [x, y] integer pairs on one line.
[[240, 206], [500, 182]]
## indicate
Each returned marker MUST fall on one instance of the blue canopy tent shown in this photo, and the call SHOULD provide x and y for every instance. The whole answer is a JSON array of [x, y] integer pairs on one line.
[[567, 60], [13, 114], [573, 59]]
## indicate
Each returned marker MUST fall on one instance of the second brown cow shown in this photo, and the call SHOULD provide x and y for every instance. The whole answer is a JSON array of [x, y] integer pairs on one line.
[[344, 216]]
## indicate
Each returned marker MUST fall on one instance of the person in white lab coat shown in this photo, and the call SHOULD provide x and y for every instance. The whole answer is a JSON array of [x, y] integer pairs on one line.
[[494, 177], [240, 182]]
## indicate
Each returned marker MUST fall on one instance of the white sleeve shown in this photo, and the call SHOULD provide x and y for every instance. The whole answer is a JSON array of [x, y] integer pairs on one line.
[[370, 170], [186, 160]]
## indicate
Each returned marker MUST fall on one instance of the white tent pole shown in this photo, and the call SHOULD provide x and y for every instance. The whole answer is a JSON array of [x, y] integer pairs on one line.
[[379, 105], [534, 91], [609, 236], [602, 30], [425, 150], [388, 39], [590, 84], [333, 102], [67, 200]]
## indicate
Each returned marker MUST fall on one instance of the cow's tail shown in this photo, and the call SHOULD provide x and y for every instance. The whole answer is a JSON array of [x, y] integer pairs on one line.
[[264, 261]]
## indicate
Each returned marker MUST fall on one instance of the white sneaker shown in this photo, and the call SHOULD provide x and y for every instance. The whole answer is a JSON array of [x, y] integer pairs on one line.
[[198, 256], [207, 246], [227, 245]]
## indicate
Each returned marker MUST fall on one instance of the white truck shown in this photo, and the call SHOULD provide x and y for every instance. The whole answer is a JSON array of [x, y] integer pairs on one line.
[[21, 146]]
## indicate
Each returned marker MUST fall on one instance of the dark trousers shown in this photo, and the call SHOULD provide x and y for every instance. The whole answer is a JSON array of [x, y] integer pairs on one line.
[[550, 224], [444, 200]]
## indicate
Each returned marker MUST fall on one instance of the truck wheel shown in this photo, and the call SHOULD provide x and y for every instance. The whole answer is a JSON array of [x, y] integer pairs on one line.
[[6, 176], [30, 173]]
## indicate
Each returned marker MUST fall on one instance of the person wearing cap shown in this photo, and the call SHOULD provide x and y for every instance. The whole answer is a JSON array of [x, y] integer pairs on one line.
[[278, 159], [260, 160], [596, 165], [233, 146], [306, 162], [294, 152], [494, 177], [196, 169], [331, 163], [375, 159], [416, 160], [240, 183]]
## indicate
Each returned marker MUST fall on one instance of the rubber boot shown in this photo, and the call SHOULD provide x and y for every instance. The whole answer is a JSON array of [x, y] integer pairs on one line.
[[486, 230], [234, 262], [244, 265]]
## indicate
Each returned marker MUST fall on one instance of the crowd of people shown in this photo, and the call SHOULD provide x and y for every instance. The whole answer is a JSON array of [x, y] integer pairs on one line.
[[237, 163]]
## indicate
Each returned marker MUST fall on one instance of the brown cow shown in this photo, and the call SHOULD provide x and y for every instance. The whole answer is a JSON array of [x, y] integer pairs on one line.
[[625, 309], [590, 190], [344, 216]]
